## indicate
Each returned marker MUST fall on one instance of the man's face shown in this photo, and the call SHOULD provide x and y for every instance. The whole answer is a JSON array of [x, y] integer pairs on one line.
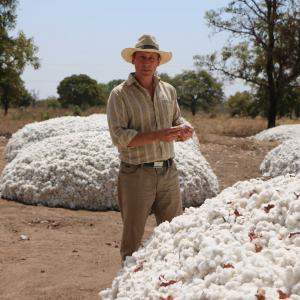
[[145, 63]]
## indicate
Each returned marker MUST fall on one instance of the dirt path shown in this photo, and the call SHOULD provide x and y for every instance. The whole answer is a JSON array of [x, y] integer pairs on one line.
[[74, 254]]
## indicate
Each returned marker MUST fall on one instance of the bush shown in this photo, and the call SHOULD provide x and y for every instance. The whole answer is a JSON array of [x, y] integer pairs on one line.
[[45, 115], [77, 111]]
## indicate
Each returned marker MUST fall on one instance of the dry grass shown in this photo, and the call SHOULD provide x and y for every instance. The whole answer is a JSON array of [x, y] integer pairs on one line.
[[18, 117], [205, 125], [222, 125]]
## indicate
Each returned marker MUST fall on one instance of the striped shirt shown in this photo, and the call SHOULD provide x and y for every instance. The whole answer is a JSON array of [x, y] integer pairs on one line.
[[130, 110]]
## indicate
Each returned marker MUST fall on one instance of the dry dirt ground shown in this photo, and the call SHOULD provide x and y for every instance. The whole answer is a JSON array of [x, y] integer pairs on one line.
[[75, 254]]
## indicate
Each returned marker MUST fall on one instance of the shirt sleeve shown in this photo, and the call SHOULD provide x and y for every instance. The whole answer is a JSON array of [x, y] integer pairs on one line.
[[177, 118], [117, 118]]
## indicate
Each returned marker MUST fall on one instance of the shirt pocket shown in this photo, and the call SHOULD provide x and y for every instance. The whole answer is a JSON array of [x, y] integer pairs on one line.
[[167, 111]]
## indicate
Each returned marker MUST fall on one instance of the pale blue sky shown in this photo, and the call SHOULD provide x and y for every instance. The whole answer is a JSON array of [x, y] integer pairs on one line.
[[87, 36]]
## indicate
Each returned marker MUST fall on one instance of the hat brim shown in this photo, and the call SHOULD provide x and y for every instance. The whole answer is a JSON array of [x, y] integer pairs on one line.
[[128, 52]]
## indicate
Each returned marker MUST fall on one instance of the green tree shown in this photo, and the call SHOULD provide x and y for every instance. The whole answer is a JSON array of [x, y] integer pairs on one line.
[[15, 54], [267, 52], [112, 84], [80, 90], [165, 77], [24, 99], [198, 90], [240, 104], [106, 88]]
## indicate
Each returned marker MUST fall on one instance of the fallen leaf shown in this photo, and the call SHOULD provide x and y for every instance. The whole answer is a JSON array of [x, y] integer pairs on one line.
[[168, 298], [164, 282], [252, 236], [293, 233], [268, 207], [236, 213], [260, 294], [139, 267], [282, 295], [258, 247]]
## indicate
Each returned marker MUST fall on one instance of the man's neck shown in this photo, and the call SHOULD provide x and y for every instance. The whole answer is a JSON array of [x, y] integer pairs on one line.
[[145, 82]]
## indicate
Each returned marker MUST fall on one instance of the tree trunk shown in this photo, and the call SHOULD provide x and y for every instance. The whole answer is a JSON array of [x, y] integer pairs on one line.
[[273, 97], [272, 109], [5, 105], [193, 106]]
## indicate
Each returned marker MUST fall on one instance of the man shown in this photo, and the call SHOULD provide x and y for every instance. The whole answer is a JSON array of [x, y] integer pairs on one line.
[[144, 119]]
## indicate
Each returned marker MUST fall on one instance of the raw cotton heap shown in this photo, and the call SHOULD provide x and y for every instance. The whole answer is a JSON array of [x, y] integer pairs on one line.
[[37, 131], [243, 244], [79, 170], [285, 158], [279, 133]]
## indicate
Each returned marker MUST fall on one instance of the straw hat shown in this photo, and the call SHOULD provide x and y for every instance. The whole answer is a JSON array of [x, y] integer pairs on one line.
[[146, 43]]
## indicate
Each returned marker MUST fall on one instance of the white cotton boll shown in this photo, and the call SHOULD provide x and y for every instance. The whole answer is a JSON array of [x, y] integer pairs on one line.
[[237, 228], [296, 242], [233, 285], [292, 220], [224, 275], [264, 197], [295, 206], [248, 275], [190, 266], [243, 202], [203, 268]]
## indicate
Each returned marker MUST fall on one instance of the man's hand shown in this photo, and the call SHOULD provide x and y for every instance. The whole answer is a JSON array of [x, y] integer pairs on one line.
[[168, 134], [176, 133], [185, 133]]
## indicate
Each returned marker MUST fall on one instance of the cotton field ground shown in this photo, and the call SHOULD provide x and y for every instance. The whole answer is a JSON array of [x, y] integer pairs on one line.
[[55, 253]]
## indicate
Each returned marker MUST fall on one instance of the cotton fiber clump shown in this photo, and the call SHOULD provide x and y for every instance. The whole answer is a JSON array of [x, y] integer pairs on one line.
[[77, 170], [279, 133], [35, 132], [80, 170], [242, 244], [283, 159], [197, 180]]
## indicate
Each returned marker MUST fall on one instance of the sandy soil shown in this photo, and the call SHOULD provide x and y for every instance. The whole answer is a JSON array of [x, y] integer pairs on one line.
[[69, 254]]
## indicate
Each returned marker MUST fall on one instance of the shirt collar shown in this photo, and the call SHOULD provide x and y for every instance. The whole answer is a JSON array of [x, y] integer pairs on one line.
[[131, 79]]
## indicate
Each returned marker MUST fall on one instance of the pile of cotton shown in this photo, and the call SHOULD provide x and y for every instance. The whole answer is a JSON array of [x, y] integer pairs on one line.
[[242, 244], [279, 133], [35, 132], [80, 170], [283, 159]]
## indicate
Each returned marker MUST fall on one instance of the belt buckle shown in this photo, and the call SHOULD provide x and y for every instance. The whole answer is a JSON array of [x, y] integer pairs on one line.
[[158, 164]]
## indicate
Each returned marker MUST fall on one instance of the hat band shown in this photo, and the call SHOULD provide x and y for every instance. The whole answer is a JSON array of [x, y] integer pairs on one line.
[[147, 47]]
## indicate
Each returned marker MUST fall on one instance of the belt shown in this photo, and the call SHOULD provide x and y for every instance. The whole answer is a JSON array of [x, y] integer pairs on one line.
[[159, 164]]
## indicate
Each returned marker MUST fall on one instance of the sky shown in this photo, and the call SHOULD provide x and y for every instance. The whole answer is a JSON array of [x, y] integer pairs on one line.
[[87, 36]]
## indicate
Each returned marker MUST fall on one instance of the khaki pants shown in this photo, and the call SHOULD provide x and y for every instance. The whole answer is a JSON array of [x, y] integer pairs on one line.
[[140, 190]]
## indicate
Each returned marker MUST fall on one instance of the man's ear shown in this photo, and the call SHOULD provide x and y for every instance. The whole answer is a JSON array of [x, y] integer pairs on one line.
[[133, 58]]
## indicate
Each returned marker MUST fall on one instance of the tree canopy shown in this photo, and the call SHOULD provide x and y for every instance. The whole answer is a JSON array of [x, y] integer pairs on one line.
[[80, 90], [196, 90], [267, 51], [15, 54]]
